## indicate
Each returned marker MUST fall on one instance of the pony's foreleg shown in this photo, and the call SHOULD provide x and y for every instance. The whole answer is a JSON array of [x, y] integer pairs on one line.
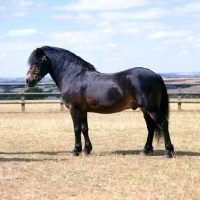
[[76, 117], [84, 128], [151, 125]]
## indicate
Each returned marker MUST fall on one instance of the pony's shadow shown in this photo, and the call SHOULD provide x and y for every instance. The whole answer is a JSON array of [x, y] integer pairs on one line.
[[20, 159], [53, 155], [157, 153]]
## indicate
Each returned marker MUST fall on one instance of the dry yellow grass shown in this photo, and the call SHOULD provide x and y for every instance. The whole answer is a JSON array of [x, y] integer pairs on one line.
[[36, 163]]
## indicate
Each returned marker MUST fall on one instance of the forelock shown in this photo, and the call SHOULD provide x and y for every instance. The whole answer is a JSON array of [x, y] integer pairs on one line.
[[33, 58]]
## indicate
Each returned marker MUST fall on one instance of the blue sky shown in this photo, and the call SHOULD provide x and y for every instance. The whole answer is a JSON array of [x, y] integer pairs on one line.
[[113, 35]]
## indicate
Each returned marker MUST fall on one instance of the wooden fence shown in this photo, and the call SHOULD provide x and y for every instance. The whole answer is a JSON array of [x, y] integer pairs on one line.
[[177, 92], [23, 94]]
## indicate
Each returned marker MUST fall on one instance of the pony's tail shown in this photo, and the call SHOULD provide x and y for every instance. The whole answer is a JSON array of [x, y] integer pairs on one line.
[[164, 107]]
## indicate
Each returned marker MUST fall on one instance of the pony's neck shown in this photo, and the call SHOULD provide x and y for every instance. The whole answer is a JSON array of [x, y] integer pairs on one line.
[[65, 66], [56, 66], [54, 78]]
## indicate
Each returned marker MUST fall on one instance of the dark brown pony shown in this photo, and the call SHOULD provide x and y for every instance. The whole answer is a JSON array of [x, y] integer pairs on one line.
[[84, 89]]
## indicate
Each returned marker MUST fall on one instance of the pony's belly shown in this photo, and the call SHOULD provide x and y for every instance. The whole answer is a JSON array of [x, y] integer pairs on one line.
[[118, 107]]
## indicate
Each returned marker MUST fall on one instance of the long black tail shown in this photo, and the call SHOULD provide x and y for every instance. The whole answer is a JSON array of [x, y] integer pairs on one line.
[[164, 107]]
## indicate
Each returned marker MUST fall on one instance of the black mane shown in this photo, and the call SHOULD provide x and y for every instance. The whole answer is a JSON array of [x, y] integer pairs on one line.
[[71, 57], [78, 61]]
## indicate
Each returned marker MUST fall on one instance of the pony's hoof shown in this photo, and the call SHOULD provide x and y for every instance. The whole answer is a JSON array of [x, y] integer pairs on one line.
[[169, 154], [75, 153], [86, 151], [146, 153]]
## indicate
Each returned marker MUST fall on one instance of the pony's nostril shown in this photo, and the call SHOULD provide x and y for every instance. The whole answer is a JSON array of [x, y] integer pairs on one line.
[[31, 82]]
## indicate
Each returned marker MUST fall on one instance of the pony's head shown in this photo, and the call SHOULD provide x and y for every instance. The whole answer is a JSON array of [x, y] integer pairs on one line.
[[39, 66]]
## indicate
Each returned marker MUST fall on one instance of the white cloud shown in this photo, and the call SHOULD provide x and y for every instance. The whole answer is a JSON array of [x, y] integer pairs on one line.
[[170, 34], [153, 13], [2, 8], [25, 3], [158, 48], [17, 8], [59, 36], [91, 5], [74, 36], [22, 32], [84, 16], [108, 7], [63, 17], [17, 14], [2, 56], [79, 17], [134, 28], [192, 7], [110, 45], [16, 45], [185, 52], [80, 39], [131, 23]]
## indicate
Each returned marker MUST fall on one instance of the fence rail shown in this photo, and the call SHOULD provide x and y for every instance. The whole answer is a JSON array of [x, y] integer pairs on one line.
[[23, 94]]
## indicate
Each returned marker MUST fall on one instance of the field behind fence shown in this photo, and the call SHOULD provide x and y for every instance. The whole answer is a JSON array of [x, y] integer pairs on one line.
[[36, 161]]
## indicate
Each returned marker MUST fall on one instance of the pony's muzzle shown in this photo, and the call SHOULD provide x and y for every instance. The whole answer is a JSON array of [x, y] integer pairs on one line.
[[31, 82]]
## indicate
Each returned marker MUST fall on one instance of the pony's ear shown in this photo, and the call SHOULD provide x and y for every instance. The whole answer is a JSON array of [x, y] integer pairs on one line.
[[40, 52]]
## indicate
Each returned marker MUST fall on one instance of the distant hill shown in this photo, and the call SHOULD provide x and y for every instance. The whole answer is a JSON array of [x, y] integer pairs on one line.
[[49, 79], [22, 80], [181, 75]]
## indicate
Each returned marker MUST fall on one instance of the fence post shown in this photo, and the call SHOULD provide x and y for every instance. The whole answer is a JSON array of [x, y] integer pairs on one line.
[[61, 104], [179, 97], [23, 99]]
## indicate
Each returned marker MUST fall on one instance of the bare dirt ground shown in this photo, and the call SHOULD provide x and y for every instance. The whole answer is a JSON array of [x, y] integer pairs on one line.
[[36, 161]]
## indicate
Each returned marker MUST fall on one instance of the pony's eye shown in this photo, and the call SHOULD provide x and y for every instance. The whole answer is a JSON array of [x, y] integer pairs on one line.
[[36, 63]]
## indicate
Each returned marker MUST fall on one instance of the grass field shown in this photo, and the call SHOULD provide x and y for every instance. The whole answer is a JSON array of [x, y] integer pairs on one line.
[[36, 163]]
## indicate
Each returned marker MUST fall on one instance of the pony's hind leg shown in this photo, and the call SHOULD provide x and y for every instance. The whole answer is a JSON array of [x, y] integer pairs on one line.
[[84, 128], [151, 125], [163, 125]]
